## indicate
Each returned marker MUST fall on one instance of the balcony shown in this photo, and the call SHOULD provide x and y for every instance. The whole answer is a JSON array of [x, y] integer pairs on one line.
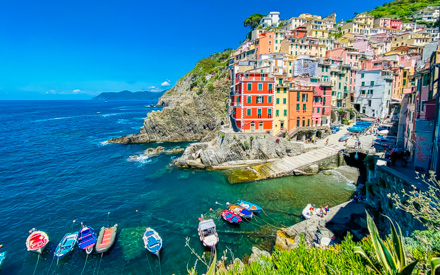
[[340, 96]]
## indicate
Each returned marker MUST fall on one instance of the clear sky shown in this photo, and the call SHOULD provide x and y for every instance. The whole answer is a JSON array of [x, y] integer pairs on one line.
[[75, 49]]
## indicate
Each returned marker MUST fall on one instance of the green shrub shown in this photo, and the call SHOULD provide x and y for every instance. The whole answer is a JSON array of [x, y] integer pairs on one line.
[[246, 145]]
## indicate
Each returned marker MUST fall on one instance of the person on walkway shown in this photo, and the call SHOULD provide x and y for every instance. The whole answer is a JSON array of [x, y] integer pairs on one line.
[[326, 208], [313, 140], [326, 142]]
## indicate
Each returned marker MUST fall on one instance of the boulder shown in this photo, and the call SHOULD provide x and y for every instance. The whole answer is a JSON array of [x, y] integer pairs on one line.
[[257, 254]]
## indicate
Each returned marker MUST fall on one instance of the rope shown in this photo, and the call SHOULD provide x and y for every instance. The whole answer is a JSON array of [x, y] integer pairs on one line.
[[148, 260], [264, 212], [99, 266], [51, 264], [84, 267], [160, 267], [35, 269]]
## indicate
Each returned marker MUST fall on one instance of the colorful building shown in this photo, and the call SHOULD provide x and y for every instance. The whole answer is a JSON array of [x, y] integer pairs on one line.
[[281, 106], [300, 106], [252, 102]]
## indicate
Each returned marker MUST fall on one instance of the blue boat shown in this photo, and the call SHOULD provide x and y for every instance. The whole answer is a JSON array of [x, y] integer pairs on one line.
[[2, 258], [249, 206], [66, 245], [152, 241], [87, 239]]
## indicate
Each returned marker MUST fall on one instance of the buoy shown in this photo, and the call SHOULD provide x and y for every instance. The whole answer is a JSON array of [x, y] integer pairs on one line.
[[210, 209], [200, 219]]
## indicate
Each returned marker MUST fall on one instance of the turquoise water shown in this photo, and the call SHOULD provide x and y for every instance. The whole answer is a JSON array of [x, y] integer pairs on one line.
[[56, 168]]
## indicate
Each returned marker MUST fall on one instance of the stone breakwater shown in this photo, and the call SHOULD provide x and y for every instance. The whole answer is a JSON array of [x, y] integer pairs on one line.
[[231, 150]]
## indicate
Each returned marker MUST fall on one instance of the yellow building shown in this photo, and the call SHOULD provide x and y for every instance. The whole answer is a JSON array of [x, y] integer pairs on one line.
[[281, 104], [317, 28], [410, 39], [365, 19], [303, 46], [355, 28]]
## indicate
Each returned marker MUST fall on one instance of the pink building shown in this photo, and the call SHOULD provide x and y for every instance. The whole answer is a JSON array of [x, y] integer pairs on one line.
[[390, 23], [322, 99]]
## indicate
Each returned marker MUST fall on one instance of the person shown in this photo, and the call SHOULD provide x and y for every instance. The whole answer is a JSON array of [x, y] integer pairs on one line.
[[322, 211], [311, 210], [313, 140], [326, 142], [326, 208]]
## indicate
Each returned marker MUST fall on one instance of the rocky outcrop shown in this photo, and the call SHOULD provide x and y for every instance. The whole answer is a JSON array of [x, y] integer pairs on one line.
[[343, 218], [194, 109], [230, 150]]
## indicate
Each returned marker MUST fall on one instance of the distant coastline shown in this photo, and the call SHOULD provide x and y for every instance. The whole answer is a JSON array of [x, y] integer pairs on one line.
[[128, 95]]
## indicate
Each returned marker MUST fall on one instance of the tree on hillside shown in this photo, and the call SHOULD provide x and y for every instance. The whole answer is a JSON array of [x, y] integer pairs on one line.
[[253, 20]]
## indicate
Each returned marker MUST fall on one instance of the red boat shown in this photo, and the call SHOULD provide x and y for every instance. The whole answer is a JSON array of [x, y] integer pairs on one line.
[[231, 217], [37, 241]]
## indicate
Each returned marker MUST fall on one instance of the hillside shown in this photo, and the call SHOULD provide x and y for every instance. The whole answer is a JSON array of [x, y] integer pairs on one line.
[[402, 9], [194, 109], [127, 95]]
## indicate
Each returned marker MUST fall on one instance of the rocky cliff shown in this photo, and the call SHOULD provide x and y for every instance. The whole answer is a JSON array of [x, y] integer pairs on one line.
[[194, 109], [235, 148]]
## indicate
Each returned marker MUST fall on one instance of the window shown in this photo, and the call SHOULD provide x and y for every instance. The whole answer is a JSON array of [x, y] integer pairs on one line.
[[363, 83], [269, 112], [304, 106], [262, 76], [269, 99], [369, 103], [277, 112], [304, 122], [259, 111], [304, 98], [323, 110], [308, 122], [284, 100], [270, 86], [297, 107], [285, 112], [317, 110], [372, 83], [280, 81], [249, 99], [404, 82], [260, 86], [297, 96], [278, 90], [249, 112], [237, 99], [249, 86], [285, 90], [278, 101], [297, 122], [260, 99], [339, 85]]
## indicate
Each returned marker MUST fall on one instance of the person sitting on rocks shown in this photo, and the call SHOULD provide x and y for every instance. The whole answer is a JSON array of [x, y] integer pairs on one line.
[[323, 212], [326, 208]]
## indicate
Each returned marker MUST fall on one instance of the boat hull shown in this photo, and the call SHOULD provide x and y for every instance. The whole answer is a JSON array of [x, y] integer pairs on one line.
[[152, 241], [37, 241], [2, 258], [242, 212], [250, 206], [231, 217], [87, 239], [106, 238], [64, 249], [306, 212]]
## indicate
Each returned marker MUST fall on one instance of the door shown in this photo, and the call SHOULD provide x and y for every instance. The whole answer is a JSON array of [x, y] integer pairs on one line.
[[252, 126], [260, 126]]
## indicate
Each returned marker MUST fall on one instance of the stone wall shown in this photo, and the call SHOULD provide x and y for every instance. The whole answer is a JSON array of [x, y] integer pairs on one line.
[[382, 182]]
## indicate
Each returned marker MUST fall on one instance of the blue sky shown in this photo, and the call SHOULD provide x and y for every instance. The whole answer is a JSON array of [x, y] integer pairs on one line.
[[76, 49]]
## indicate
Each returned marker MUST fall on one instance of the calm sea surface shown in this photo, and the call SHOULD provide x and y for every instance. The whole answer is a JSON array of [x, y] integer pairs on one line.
[[55, 167]]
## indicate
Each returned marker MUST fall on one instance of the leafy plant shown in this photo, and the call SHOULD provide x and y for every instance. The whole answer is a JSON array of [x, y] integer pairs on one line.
[[421, 204], [389, 254], [246, 145], [253, 20], [423, 246]]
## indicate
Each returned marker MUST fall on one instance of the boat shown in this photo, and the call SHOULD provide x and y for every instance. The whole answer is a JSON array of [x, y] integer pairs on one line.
[[66, 245], [242, 212], [106, 238], [37, 241], [249, 206], [230, 217], [208, 234], [306, 212], [2, 258], [152, 241], [87, 239]]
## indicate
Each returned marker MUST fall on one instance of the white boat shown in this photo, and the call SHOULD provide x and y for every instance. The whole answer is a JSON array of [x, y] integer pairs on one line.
[[306, 212], [152, 241], [208, 234]]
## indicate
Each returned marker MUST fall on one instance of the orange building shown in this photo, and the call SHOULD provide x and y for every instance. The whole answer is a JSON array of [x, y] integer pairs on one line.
[[265, 44], [252, 102], [300, 107]]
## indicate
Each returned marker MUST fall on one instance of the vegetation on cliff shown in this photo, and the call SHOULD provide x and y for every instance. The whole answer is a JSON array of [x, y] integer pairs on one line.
[[253, 21], [402, 9]]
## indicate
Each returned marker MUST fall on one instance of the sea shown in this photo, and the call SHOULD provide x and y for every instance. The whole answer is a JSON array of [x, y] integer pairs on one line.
[[58, 171]]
